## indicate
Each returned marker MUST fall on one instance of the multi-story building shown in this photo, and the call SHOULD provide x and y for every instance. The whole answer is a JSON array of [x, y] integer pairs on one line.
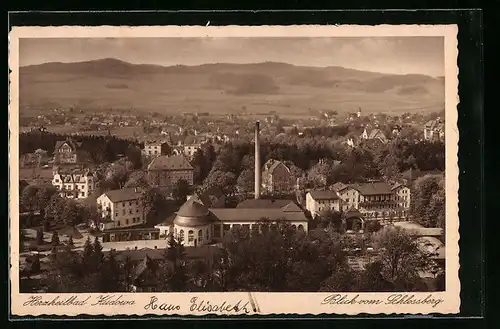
[[277, 178], [121, 208], [375, 200], [77, 184], [402, 196], [155, 148], [319, 201], [165, 171], [68, 152], [434, 130]]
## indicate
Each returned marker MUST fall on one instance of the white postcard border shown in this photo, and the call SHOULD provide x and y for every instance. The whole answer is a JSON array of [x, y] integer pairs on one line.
[[447, 302]]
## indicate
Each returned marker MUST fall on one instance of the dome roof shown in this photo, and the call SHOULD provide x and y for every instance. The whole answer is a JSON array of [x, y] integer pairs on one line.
[[193, 213], [193, 208]]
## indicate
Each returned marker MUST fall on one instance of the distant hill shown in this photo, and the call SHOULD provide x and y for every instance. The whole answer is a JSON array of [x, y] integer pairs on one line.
[[224, 88]]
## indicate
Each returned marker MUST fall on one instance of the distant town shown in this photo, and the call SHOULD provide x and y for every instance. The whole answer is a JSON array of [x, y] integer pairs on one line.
[[122, 200]]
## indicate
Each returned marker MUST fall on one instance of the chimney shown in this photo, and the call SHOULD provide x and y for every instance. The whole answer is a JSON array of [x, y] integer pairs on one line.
[[257, 161]]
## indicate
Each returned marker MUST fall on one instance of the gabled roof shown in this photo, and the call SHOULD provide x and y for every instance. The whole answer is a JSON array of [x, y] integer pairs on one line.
[[125, 194], [323, 195], [374, 188], [376, 133], [174, 162], [398, 185], [339, 186], [73, 144]]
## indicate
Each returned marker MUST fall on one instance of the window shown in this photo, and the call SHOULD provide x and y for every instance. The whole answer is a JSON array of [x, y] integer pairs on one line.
[[130, 212], [118, 223], [190, 236], [116, 214], [137, 210], [208, 234], [83, 194], [200, 235], [126, 221], [123, 204], [130, 203]]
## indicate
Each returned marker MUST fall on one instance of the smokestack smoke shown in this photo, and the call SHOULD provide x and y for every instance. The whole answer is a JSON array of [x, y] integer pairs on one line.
[[257, 161]]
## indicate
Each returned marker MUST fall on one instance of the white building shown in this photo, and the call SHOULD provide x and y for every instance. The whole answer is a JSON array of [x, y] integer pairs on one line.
[[74, 185], [402, 195], [319, 201], [121, 208]]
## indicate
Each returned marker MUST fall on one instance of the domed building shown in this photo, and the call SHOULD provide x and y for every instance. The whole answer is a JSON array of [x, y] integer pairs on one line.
[[193, 223]]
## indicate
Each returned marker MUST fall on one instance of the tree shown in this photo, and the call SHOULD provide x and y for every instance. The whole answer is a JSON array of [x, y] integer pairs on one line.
[[98, 256], [152, 202], [174, 272], [71, 244], [112, 277], [245, 181], [223, 180], [181, 190], [371, 279], [400, 257], [55, 239], [427, 201], [71, 214], [27, 199], [39, 237], [87, 256]]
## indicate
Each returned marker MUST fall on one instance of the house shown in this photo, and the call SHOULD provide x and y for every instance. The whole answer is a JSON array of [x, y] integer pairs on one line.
[[277, 178], [78, 184], [434, 130], [374, 134], [190, 149], [319, 201], [375, 199], [68, 151], [165, 171], [121, 208], [155, 148], [402, 195]]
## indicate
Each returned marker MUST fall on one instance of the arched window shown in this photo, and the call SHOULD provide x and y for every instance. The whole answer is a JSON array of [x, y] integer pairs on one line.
[[190, 236], [200, 235], [181, 235], [301, 227]]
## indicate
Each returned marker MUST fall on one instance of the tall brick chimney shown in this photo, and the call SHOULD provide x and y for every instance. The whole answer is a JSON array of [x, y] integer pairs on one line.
[[257, 161]]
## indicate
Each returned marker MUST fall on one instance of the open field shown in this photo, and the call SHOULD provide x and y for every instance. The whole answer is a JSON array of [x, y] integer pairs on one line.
[[224, 88]]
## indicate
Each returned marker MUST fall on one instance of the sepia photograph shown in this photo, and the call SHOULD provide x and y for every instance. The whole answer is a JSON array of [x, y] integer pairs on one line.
[[234, 163]]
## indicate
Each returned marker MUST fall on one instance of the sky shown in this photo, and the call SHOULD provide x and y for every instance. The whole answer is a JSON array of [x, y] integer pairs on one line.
[[396, 55]]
